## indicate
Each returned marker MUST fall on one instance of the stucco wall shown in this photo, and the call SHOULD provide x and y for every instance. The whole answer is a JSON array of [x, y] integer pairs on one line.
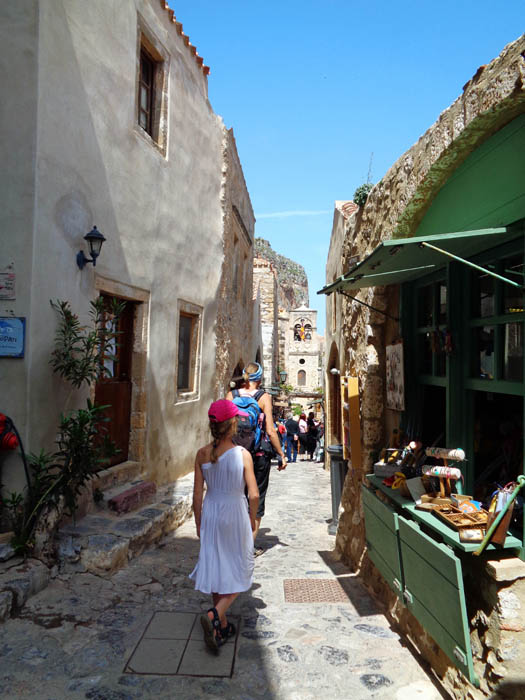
[[18, 67], [161, 215]]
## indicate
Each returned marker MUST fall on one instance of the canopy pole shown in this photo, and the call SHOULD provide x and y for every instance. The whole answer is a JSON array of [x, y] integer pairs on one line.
[[470, 264], [378, 311]]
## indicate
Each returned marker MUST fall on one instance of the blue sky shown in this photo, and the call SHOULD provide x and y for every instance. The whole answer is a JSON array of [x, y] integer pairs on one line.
[[312, 89]]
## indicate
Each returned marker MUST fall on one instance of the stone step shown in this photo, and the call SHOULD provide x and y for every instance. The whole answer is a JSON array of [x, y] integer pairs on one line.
[[104, 542], [128, 497], [103, 481], [116, 476]]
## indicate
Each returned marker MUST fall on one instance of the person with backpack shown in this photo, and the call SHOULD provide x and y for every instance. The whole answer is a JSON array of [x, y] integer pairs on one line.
[[257, 433]]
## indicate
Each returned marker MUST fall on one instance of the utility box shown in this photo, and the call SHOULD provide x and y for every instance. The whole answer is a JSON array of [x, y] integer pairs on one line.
[[338, 470]]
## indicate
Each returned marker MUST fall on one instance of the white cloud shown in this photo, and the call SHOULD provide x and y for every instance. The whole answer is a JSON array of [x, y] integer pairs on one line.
[[283, 214]]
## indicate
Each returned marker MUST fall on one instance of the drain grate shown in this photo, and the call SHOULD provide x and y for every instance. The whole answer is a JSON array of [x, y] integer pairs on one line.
[[314, 590]]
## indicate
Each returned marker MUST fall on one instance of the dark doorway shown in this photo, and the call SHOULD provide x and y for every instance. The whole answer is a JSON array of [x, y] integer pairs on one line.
[[431, 415], [114, 390], [498, 441]]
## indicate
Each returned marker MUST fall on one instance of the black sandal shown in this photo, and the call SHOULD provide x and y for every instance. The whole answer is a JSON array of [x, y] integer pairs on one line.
[[212, 630], [228, 631]]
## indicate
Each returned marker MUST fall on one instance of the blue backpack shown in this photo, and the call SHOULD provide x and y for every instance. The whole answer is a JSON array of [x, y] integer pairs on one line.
[[250, 427]]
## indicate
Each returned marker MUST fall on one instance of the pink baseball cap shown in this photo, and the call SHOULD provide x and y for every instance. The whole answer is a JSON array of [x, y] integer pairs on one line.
[[222, 410]]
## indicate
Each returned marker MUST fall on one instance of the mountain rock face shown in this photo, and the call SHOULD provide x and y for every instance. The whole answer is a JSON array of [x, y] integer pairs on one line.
[[291, 277]]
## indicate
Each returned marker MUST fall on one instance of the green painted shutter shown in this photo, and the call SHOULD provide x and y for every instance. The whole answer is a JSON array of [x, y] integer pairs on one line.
[[381, 524], [434, 593]]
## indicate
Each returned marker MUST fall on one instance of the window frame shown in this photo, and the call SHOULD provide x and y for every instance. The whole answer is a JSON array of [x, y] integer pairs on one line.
[[149, 46], [194, 312], [149, 86]]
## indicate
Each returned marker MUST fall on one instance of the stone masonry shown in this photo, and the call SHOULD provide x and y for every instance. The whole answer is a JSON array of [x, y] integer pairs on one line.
[[357, 336], [265, 290]]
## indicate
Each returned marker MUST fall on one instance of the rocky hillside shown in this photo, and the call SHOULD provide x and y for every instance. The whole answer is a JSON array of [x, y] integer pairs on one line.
[[293, 283]]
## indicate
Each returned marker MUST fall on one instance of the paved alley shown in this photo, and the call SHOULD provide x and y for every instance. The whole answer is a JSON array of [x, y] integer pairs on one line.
[[136, 634]]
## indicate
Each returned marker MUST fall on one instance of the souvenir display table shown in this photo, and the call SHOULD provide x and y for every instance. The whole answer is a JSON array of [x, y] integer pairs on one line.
[[422, 560]]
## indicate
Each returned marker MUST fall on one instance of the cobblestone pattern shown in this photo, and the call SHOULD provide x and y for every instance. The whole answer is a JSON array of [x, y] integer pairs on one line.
[[73, 639]]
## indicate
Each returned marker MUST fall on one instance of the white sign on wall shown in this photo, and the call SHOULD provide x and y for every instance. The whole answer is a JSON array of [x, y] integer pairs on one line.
[[7, 283]]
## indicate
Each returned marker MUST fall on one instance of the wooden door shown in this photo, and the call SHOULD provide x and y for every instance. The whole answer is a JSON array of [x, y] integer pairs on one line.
[[114, 390]]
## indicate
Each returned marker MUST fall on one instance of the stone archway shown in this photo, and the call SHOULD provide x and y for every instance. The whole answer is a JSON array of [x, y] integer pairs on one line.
[[333, 385]]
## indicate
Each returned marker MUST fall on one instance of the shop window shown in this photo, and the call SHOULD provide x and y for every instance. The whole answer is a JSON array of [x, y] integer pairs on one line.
[[188, 353], [513, 352], [442, 312], [431, 318], [513, 297], [424, 353], [484, 357], [425, 306], [301, 378], [483, 298]]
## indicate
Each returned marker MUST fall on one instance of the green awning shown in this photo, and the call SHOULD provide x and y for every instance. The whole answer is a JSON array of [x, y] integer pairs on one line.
[[405, 259]]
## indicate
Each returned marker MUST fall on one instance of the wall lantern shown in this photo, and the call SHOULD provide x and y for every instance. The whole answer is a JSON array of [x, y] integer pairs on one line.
[[283, 374], [334, 370], [95, 240]]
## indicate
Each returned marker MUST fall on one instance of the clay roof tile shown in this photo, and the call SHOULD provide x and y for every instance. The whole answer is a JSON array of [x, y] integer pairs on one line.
[[186, 39]]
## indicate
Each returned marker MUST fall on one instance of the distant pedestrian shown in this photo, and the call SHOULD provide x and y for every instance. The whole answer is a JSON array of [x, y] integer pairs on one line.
[[224, 522], [262, 457], [303, 429], [282, 433], [292, 437], [311, 435]]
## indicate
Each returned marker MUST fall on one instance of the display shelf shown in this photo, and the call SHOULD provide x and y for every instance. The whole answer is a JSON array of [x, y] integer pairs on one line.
[[447, 534]]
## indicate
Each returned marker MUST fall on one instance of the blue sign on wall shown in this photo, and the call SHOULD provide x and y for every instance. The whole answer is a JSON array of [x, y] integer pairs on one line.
[[12, 336]]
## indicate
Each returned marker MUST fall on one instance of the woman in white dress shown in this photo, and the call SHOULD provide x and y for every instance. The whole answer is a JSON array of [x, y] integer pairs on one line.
[[224, 523]]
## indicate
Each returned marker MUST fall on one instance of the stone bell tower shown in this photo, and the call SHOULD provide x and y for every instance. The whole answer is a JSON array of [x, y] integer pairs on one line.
[[302, 353]]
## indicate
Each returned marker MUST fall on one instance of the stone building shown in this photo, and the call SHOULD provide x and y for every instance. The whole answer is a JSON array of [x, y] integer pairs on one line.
[[107, 122], [460, 189], [303, 356], [236, 332], [265, 292]]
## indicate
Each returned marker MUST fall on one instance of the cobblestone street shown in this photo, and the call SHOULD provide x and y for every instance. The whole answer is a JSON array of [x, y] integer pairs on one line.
[[75, 639]]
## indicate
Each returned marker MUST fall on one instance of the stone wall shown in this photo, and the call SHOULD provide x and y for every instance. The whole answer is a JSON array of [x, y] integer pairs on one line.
[[356, 338], [266, 289], [234, 330]]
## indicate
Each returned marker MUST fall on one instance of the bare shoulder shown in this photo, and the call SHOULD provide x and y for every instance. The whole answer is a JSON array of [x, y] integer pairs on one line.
[[203, 454], [246, 456], [265, 401]]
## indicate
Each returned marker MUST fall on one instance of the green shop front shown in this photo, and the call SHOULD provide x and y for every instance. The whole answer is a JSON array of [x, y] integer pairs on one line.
[[461, 280]]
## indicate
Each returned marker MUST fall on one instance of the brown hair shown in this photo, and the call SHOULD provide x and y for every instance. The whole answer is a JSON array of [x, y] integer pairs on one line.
[[221, 431], [249, 369]]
